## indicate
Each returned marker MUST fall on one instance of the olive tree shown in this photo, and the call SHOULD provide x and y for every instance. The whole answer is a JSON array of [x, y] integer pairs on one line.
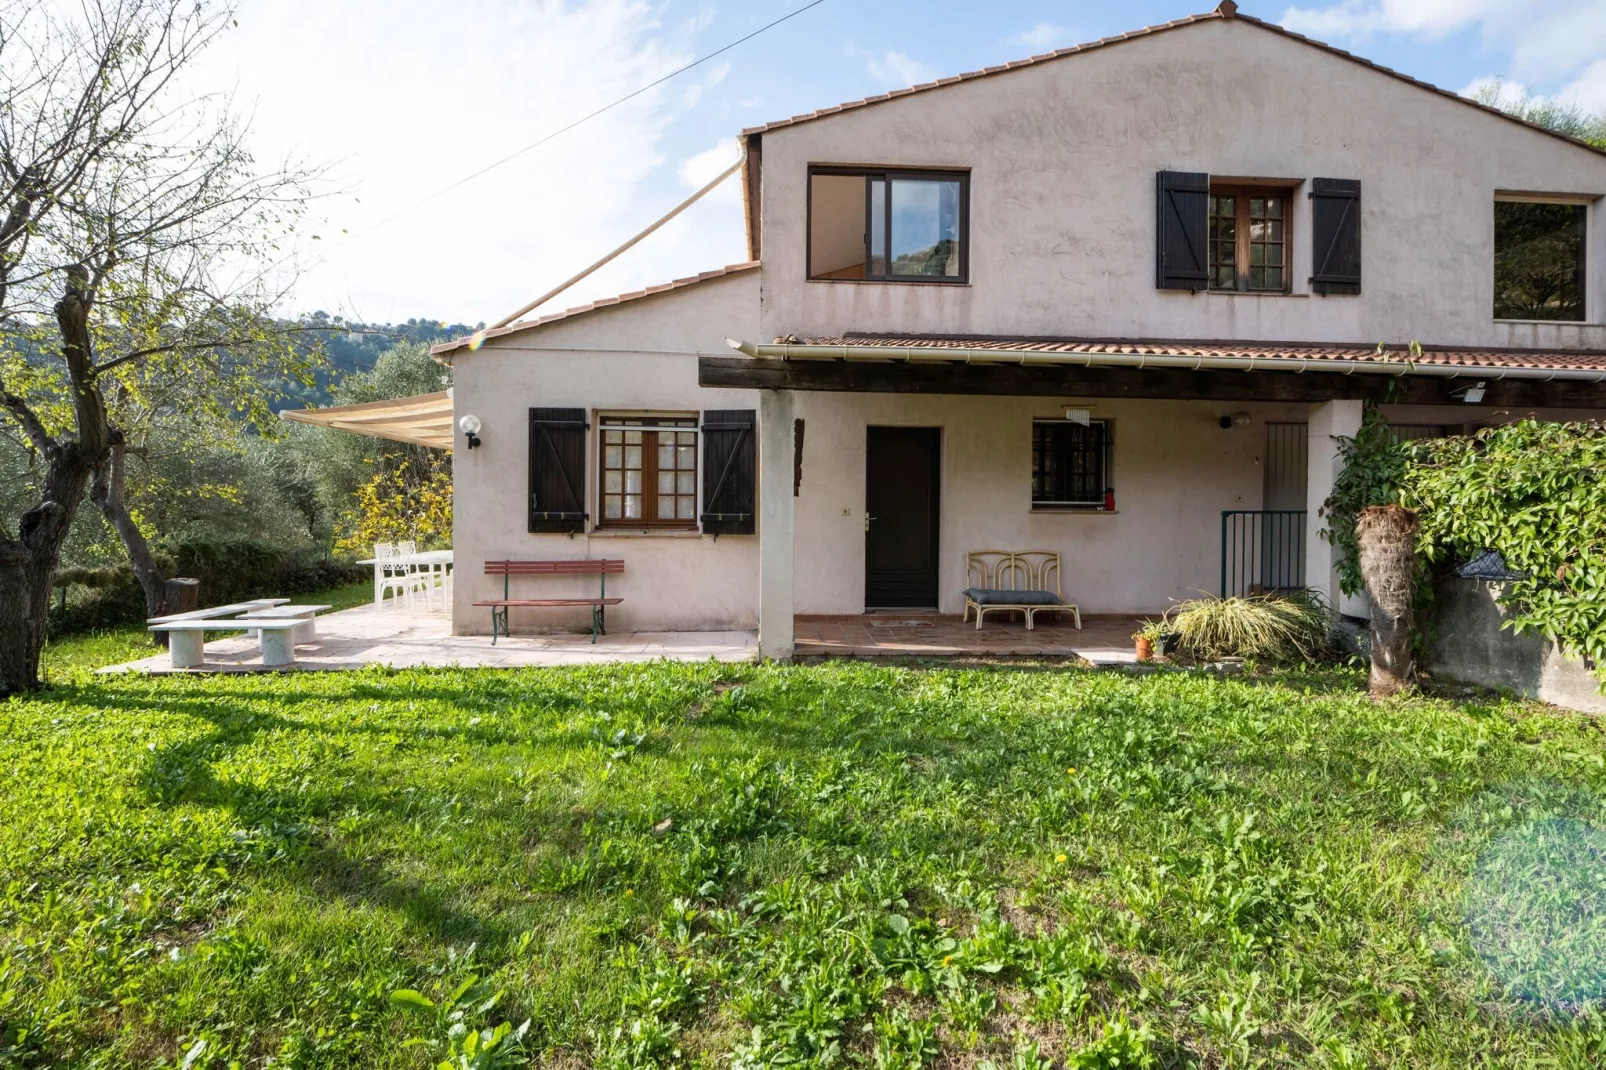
[[139, 253]]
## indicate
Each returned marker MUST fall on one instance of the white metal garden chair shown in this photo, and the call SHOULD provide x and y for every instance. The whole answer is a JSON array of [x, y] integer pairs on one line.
[[396, 572]]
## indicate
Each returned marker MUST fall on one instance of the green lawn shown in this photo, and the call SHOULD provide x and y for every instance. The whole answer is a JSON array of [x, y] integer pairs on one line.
[[796, 866]]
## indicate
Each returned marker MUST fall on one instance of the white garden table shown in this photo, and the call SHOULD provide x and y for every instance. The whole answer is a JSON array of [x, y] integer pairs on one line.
[[437, 563]]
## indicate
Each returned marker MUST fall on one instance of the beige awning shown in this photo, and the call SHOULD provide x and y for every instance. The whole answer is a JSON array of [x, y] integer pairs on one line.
[[423, 420]]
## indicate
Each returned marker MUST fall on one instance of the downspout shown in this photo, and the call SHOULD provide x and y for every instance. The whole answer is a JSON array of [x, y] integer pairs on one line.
[[929, 355]]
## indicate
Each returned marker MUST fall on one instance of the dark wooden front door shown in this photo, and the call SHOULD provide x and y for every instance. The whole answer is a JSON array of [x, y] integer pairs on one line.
[[900, 540]]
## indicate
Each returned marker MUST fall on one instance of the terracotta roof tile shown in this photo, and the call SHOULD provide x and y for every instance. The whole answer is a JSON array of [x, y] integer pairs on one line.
[[602, 302], [1474, 359], [1149, 31]]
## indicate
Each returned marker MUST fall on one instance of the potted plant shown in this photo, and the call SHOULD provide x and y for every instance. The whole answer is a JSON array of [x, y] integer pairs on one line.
[[1148, 638]]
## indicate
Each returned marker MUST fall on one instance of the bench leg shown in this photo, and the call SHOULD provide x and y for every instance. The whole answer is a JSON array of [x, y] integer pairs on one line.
[[307, 632], [499, 622], [596, 623], [184, 648], [278, 646]]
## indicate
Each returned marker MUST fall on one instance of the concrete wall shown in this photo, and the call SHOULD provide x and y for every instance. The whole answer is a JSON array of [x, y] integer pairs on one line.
[[1471, 647], [1175, 470], [634, 356], [1063, 157]]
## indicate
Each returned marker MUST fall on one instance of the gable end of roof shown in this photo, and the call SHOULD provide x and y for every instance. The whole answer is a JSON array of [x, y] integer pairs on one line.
[[444, 351], [1227, 11]]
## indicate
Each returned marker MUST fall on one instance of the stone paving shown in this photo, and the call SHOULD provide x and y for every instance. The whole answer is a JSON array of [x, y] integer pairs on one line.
[[355, 638], [1103, 640]]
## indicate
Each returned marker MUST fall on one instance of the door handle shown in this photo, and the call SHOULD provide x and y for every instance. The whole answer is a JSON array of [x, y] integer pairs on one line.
[[867, 519]]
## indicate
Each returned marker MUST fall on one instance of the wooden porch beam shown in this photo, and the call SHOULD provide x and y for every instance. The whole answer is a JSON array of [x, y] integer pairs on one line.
[[1072, 380]]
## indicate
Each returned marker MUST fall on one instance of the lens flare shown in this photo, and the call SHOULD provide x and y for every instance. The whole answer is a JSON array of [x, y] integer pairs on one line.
[[1535, 908]]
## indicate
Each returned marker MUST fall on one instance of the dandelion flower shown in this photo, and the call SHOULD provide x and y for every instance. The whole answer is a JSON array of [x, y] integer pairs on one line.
[[1061, 859]]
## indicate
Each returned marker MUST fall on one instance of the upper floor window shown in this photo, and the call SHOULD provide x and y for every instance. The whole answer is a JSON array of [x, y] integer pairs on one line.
[[904, 226], [1539, 260], [1248, 239]]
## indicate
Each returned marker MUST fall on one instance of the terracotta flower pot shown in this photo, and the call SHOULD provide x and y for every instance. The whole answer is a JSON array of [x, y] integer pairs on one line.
[[1145, 649]]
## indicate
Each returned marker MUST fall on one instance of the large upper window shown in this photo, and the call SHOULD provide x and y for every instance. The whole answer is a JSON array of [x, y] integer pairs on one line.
[[909, 226], [1248, 239], [1070, 464], [1538, 261], [649, 471]]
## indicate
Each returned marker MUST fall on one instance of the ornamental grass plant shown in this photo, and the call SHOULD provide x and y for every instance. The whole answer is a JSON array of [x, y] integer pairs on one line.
[[1267, 627]]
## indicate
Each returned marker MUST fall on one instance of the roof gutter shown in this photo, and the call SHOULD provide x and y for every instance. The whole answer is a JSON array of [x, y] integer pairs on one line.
[[945, 355]]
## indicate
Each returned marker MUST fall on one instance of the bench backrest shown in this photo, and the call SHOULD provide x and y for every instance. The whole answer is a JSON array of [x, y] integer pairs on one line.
[[1014, 570], [597, 567]]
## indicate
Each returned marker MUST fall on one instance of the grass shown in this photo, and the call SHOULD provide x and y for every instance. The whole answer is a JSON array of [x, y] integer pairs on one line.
[[130, 642], [757, 866]]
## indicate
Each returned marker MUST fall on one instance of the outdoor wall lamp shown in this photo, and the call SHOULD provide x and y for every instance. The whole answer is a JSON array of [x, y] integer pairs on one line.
[[470, 426], [1237, 419]]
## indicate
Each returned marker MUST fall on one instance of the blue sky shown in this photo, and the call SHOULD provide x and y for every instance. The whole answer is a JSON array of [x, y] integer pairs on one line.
[[405, 97]]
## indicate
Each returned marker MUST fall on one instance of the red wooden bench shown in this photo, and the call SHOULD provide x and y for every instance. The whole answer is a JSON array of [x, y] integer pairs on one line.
[[601, 569]]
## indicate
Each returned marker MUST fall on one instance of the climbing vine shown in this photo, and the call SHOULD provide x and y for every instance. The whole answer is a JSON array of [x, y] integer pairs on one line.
[[1535, 493], [1374, 467]]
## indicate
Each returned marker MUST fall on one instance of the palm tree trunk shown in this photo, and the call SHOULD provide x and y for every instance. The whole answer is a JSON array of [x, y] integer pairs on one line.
[[1386, 535]]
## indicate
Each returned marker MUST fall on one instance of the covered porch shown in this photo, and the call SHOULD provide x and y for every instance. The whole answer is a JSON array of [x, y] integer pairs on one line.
[[1192, 509]]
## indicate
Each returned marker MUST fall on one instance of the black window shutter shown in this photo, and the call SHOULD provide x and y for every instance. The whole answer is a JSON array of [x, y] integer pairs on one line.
[[1335, 214], [557, 470], [730, 472], [1182, 254]]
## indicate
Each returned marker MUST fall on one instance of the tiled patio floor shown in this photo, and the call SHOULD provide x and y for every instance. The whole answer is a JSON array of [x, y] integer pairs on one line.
[[354, 638], [1101, 640]]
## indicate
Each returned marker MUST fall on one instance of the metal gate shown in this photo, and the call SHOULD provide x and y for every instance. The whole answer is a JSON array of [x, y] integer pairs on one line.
[[1262, 550]]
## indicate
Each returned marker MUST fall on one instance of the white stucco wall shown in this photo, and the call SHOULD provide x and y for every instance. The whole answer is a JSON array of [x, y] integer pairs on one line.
[[1175, 470], [640, 355], [1063, 157]]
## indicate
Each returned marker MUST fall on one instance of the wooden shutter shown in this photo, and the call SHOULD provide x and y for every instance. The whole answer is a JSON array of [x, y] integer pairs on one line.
[[1183, 254], [557, 470], [1335, 213], [730, 472]]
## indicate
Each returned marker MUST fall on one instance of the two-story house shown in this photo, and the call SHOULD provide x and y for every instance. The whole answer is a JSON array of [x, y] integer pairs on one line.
[[1116, 301]]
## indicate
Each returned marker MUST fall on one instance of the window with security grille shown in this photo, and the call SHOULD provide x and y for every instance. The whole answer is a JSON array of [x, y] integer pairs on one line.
[[649, 471], [1070, 464]]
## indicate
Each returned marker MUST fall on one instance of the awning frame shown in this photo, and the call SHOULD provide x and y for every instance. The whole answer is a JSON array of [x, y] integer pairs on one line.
[[420, 420]]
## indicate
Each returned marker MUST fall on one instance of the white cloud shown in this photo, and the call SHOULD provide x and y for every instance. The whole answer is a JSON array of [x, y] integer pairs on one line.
[[1360, 18], [1588, 90], [1547, 40], [411, 96], [894, 68], [1042, 37], [704, 167]]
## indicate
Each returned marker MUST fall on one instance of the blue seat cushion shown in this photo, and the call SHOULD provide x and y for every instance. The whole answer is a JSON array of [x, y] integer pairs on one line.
[[985, 596]]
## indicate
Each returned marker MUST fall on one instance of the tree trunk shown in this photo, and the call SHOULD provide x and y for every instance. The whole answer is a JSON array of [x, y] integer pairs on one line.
[[1386, 535], [28, 561], [107, 492]]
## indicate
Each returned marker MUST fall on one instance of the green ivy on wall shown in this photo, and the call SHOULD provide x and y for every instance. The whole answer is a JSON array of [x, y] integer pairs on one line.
[[1535, 492]]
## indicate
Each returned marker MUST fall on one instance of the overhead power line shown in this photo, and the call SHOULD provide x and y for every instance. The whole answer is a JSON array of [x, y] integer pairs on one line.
[[587, 118]]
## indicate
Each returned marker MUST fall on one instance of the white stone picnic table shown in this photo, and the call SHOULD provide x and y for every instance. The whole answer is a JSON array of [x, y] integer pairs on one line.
[[433, 561]]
